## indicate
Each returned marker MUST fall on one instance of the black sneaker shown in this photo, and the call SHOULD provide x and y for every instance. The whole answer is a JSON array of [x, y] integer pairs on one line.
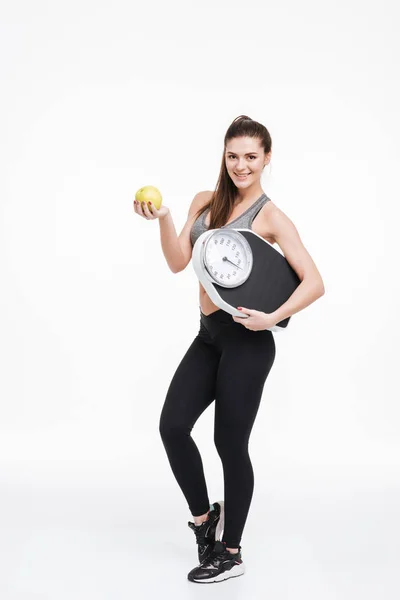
[[220, 565], [209, 531]]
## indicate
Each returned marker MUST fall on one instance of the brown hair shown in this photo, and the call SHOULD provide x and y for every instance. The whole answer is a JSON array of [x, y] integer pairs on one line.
[[224, 195]]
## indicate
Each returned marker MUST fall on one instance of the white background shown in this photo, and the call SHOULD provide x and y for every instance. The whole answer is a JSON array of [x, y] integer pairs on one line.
[[98, 100]]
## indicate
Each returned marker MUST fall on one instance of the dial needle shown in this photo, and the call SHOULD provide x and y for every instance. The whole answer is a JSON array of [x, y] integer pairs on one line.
[[232, 263]]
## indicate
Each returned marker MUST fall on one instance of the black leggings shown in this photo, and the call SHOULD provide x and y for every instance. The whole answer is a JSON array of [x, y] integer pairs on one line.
[[229, 363]]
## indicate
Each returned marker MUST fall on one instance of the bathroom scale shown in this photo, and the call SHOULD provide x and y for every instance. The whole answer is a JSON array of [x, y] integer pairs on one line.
[[237, 267]]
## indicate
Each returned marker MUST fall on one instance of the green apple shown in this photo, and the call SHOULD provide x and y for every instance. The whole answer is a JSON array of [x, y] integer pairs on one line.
[[149, 193]]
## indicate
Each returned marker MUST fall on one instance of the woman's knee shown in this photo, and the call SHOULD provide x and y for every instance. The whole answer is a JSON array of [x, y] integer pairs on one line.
[[171, 429], [231, 443]]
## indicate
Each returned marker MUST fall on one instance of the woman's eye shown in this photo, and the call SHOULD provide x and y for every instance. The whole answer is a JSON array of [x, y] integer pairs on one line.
[[250, 156]]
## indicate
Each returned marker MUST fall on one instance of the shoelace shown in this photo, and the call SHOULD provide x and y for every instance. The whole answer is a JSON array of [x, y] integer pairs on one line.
[[200, 533], [215, 557]]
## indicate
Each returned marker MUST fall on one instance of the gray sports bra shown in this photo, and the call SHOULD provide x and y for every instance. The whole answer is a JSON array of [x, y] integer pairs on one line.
[[244, 220]]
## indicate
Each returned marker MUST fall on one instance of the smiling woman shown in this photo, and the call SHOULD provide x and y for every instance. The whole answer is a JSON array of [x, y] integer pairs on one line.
[[228, 361]]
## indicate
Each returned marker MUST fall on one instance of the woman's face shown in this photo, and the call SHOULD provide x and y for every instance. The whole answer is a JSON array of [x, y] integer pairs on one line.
[[245, 156]]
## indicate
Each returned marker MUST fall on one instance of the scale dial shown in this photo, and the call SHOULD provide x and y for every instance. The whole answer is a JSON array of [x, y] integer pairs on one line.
[[227, 257]]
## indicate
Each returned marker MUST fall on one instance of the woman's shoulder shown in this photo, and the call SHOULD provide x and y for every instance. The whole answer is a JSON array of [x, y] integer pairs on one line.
[[269, 208], [200, 200], [269, 212], [276, 221], [205, 197], [197, 204]]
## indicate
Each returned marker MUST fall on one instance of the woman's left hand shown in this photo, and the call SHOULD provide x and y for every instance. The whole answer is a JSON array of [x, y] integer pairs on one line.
[[257, 321]]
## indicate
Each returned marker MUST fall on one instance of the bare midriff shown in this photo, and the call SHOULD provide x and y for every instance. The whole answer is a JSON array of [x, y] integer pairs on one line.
[[259, 226]]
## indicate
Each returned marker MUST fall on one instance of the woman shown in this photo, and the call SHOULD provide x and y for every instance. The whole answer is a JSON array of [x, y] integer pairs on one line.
[[230, 358]]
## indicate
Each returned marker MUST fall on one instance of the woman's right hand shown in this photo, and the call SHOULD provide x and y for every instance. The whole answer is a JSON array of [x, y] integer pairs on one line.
[[150, 213]]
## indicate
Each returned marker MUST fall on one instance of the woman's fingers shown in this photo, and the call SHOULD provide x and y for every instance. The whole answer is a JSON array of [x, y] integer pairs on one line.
[[149, 212], [142, 209]]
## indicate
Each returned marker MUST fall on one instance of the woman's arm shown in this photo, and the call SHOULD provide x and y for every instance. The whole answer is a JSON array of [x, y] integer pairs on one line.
[[311, 287], [178, 249], [170, 243]]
